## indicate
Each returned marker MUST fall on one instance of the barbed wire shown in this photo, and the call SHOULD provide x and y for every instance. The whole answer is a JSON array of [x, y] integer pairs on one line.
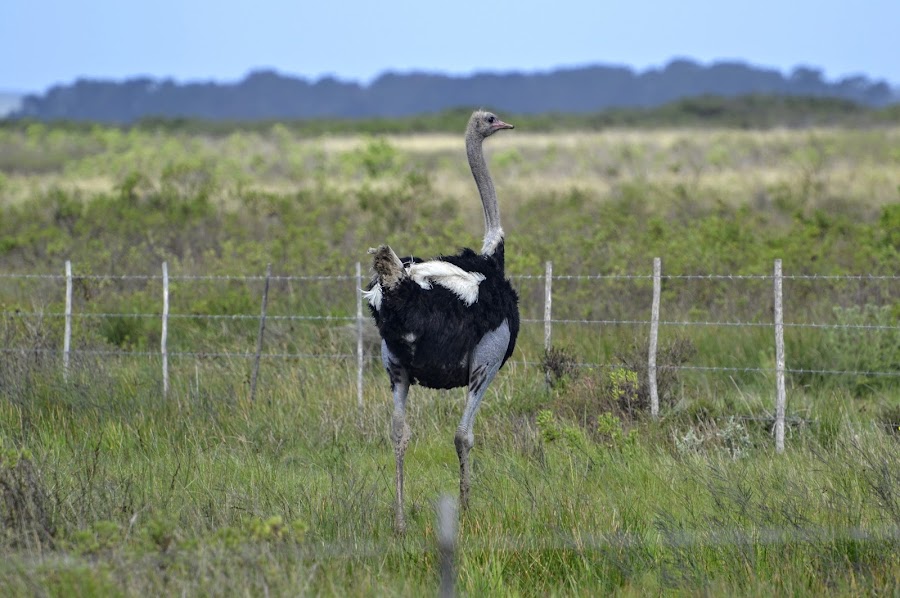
[[347, 319], [152, 315], [731, 369], [794, 420], [290, 277], [786, 370], [176, 277], [156, 316], [710, 323], [375, 358], [720, 277], [195, 354]]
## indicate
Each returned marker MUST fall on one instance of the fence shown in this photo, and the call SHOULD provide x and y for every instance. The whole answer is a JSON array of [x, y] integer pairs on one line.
[[359, 322]]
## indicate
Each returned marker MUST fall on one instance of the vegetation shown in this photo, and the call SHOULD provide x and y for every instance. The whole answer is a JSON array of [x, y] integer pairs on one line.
[[266, 95], [751, 111], [108, 487]]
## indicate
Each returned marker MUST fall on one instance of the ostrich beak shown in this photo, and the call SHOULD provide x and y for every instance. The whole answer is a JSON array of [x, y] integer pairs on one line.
[[499, 124]]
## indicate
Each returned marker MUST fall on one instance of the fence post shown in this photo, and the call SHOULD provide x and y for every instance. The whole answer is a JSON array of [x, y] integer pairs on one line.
[[67, 338], [548, 312], [548, 304], [262, 331], [446, 541], [359, 337], [779, 360], [654, 338], [165, 330]]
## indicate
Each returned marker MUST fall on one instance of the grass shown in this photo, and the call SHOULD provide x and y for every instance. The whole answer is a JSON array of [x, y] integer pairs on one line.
[[713, 160], [206, 493], [109, 488]]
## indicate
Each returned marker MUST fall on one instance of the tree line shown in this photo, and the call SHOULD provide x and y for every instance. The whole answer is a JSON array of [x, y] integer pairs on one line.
[[269, 95]]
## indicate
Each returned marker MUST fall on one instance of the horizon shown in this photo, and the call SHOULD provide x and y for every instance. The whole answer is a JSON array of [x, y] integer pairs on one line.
[[462, 75], [56, 42]]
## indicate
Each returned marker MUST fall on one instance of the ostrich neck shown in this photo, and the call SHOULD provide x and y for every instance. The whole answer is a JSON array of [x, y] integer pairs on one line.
[[493, 232]]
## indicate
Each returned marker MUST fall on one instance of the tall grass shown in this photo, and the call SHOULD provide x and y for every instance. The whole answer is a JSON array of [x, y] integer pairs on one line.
[[208, 493], [108, 487]]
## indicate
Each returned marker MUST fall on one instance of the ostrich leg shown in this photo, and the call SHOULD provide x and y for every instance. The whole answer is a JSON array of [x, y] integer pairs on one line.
[[484, 364], [399, 429]]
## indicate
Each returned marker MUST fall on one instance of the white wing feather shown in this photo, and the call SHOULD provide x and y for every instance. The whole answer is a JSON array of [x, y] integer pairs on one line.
[[462, 283]]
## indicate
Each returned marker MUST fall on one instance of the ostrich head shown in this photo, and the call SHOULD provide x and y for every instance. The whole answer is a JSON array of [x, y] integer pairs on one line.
[[483, 124]]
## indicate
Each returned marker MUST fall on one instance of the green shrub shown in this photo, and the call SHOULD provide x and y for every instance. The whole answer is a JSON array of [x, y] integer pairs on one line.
[[25, 505], [376, 158], [732, 438], [865, 340], [889, 419], [559, 366]]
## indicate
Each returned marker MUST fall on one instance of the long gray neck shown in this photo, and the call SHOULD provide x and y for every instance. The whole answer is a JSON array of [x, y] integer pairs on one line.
[[493, 232]]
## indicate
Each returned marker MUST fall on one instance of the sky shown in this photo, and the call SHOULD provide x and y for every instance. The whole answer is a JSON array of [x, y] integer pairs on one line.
[[47, 42]]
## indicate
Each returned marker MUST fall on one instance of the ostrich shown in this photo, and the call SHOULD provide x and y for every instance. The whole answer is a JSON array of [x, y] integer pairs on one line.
[[448, 322]]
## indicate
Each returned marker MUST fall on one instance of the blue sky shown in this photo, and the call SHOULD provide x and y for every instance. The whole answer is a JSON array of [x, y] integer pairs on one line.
[[43, 42]]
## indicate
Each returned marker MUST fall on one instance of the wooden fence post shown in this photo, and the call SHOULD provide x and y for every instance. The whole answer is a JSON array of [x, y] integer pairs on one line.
[[548, 314], [165, 330], [779, 360], [654, 338], [67, 338], [262, 331], [359, 337], [548, 303]]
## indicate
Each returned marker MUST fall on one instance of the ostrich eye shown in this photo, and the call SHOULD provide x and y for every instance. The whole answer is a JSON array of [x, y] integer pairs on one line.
[[490, 119]]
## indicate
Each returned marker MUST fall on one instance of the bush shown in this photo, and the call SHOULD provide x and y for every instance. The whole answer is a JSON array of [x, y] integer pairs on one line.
[[731, 438], [865, 340], [623, 392], [24, 502], [607, 433], [559, 366], [889, 419], [629, 385]]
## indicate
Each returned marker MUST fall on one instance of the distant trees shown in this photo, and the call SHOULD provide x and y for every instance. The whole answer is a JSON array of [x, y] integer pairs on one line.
[[266, 94]]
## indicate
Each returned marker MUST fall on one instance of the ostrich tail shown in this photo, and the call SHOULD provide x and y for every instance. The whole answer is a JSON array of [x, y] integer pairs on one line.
[[388, 268]]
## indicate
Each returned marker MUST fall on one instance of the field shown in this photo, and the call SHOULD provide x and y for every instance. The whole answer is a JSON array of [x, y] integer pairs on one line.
[[108, 487]]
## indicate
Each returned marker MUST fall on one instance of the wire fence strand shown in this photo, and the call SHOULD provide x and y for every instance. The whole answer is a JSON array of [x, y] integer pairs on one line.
[[22, 315], [307, 277], [584, 321]]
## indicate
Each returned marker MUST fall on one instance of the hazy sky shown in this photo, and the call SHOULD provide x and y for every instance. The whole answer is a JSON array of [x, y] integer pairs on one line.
[[43, 42]]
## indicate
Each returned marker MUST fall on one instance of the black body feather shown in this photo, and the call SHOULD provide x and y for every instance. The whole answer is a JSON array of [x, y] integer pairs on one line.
[[446, 330]]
